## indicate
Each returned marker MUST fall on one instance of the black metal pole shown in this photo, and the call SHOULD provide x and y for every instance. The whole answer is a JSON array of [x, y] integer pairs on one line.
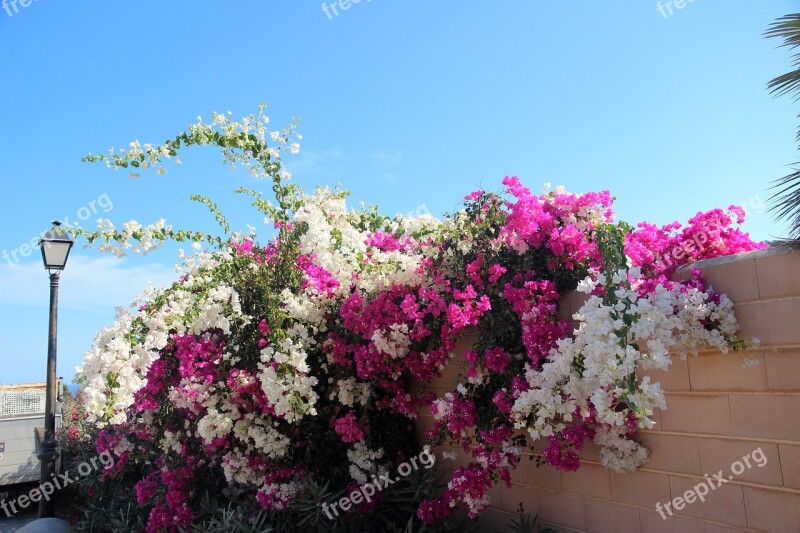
[[49, 451]]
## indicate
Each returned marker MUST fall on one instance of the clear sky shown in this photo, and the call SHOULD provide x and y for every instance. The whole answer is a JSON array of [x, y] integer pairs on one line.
[[408, 104]]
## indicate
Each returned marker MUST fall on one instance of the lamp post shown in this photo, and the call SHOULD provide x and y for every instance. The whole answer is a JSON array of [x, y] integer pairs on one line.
[[55, 246]]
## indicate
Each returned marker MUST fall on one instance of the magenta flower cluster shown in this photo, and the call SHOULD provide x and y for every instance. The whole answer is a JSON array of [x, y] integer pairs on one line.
[[247, 400]]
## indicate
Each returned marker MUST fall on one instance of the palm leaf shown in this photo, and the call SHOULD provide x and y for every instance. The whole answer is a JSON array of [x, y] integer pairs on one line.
[[786, 200]]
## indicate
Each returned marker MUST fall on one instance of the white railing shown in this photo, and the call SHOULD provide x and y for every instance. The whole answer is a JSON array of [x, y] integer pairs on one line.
[[22, 402]]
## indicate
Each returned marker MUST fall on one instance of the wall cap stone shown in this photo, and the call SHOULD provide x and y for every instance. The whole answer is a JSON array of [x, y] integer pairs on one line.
[[744, 256]]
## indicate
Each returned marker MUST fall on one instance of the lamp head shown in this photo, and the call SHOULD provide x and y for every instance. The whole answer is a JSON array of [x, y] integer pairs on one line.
[[55, 246]]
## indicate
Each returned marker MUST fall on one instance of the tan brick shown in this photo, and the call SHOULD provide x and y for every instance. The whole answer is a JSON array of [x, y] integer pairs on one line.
[[651, 522], [555, 528], [737, 279], [590, 452], [521, 473], [539, 444], [774, 323], [656, 418], [715, 528], [562, 509], [671, 453], [790, 464], [517, 476], [512, 497], [422, 425], [640, 488], [676, 378], [493, 520], [720, 454], [783, 370], [544, 476], [727, 372], [771, 510], [445, 472], [697, 413], [496, 493], [602, 517], [576, 301], [777, 275], [564, 311], [722, 504], [468, 337], [446, 448], [771, 416], [461, 459], [449, 374], [459, 512], [589, 480]]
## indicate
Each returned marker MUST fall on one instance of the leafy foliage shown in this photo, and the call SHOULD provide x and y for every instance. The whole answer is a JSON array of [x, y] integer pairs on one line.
[[273, 379], [787, 198]]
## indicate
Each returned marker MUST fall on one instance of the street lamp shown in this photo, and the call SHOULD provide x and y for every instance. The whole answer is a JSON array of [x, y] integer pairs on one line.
[[55, 246]]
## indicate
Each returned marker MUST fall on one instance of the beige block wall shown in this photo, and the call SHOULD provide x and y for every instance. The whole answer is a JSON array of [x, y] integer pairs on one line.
[[719, 410]]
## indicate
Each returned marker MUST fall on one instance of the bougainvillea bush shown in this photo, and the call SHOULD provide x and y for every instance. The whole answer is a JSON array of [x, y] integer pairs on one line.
[[277, 372]]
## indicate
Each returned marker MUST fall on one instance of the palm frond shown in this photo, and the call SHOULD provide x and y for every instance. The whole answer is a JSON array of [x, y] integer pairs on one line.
[[785, 84], [786, 27], [786, 201]]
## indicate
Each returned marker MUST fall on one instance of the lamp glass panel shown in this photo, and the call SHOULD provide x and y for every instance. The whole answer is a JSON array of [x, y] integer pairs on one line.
[[55, 253]]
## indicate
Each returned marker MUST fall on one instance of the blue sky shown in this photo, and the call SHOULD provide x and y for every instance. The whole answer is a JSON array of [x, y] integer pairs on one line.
[[408, 104]]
